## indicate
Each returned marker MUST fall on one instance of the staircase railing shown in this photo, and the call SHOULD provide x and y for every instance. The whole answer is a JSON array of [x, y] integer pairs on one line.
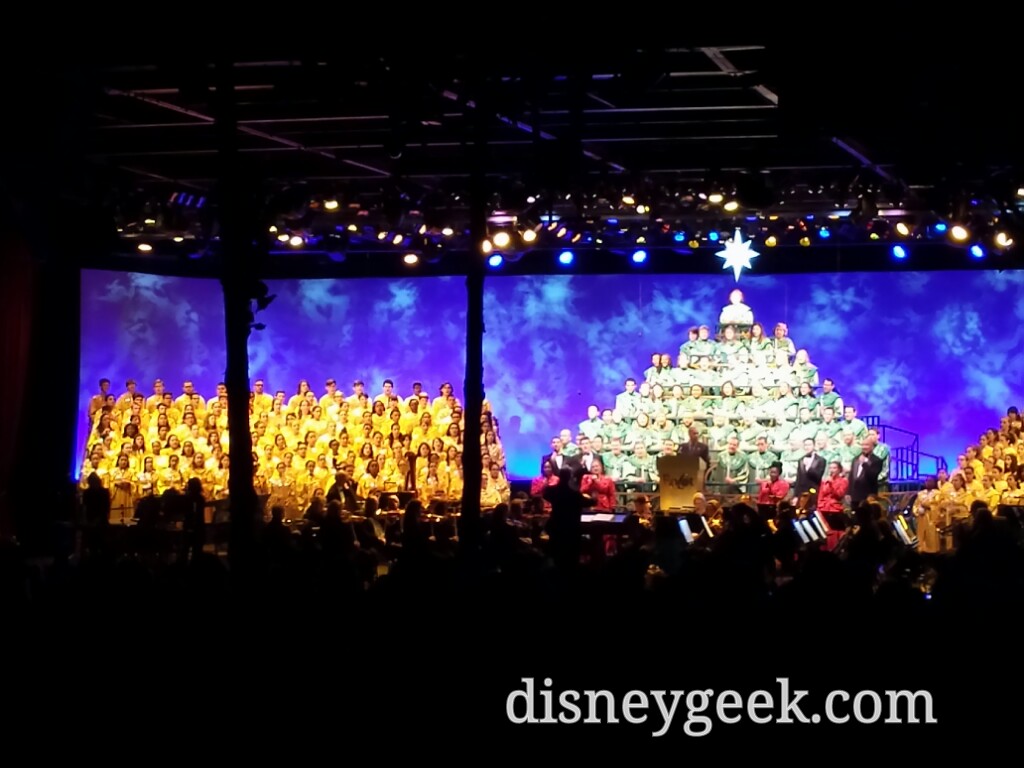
[[906, 460]]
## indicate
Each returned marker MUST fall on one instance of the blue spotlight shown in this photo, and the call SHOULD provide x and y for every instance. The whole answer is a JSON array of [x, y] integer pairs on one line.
[[495, 261], [899, 252], [639, 256], [565, 258], [824, 233], [679, 237], [977, 251], [713, 237], [940, 227]]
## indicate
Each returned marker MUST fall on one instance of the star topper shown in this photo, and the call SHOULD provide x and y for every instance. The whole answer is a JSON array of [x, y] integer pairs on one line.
[[737, 254]]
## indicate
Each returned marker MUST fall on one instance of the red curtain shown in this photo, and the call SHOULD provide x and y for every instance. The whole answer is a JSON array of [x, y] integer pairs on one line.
[[17, 292]]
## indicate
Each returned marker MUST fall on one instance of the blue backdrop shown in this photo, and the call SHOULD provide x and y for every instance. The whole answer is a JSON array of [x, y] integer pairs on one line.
[[937, 353]]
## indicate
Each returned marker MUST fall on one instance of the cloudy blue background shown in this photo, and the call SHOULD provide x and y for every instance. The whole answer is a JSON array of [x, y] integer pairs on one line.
[[938, 353]]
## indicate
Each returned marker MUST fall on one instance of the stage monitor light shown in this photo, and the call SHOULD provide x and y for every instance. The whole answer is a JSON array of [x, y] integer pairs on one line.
[[771, 241], [731, 206], [447, 231], [529, 236], [1003, 240], [296, 241], [144, 247], [501, 239], [713, 236], [495, 261], [565, 258], [977, 251], [282, 238], [902, 228], [715, 198], [639, 256], [411, 259], [679, 237], [959, 233], [330, 205], [899, 252], [824, 233], [628, 200]]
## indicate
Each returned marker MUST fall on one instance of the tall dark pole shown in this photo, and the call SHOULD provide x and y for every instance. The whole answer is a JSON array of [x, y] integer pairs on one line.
[[236, 247], [472, 464]]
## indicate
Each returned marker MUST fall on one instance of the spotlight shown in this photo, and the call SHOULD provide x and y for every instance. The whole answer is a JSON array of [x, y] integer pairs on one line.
[[899, 252], [565, 258], [824, 233], [731, 206], [330, 205], [713, 236], [959, 233], [940, 227], [495, 260], [715, 198], [397, 239], [1020, 191], [382, 236], [501, 239], [1003, 240], [679, 237], [296, 241], [486, 246], [805, 241], [178, 239], [902, 228], [272, 230], [447, 231], [531, 200], [144, 247], [628, 200], [977, 251], [642, 209], [352, 228], [411, 258], [529, 236], [771, 241], [639, 256], [282, 238]]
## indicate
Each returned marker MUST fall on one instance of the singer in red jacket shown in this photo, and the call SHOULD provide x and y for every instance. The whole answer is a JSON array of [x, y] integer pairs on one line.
[[833, 489], [599, 486]]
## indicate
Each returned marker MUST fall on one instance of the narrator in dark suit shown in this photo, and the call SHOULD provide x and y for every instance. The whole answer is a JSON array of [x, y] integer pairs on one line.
[[864, 474], [809, 472], [694, 447]]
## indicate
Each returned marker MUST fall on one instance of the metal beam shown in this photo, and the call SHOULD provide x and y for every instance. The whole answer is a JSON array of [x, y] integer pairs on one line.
[[720, 60]]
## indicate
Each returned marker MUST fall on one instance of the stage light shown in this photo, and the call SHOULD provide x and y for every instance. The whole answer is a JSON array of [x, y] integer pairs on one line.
[[531, 200], [501, 239], [639, 256], [576, 238], [296, 241], [529, 236], [731, 206], [940, 227], [330, 205], [679, 237], [411, 259], [899, 252], [642, 209], [352, 228], [1003, 240], [272, 230], [486, 246], [1020, 191], [423, 229], [713, 236], [805, 241], [902, 228], [447, 231], [565, 258], [397, 239], [771, 241], [824, 233], [282, 238], [178, 239], [382, 236], [873, 236], [144, 247], [495, 260], [561, 232], [715, 198], [959, 233], [628, 200], [150, 222], [977, 251], [694, 243]]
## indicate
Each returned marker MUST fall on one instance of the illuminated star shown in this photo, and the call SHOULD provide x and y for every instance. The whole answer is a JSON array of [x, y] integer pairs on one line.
[[737, 254]]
